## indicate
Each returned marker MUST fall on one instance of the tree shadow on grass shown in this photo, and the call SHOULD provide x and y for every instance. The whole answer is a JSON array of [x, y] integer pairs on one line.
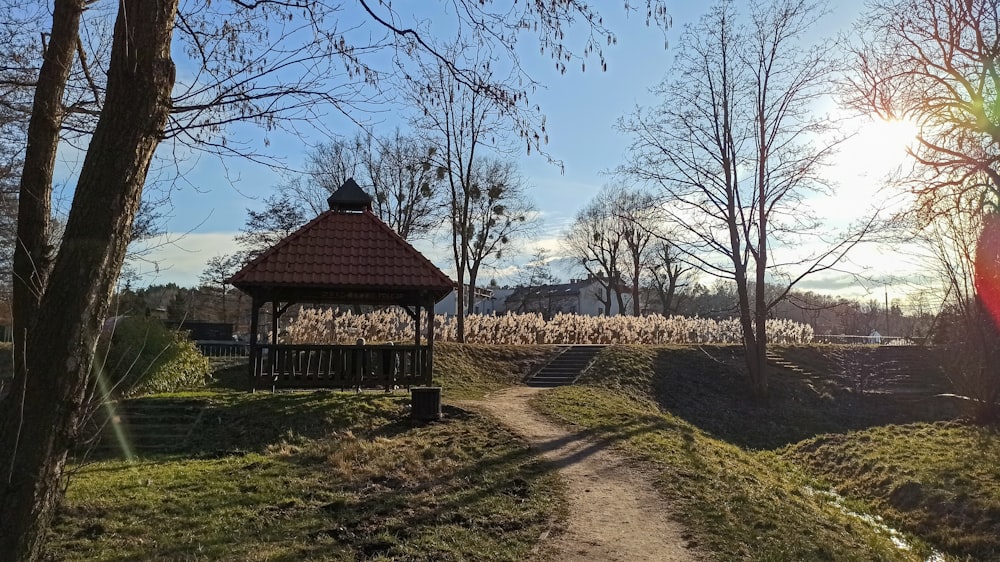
[[490, 496], [502, 494]]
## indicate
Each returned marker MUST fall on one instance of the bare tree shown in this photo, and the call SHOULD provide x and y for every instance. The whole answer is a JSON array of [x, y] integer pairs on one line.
[[960, 235], [666, 274], [934, 63], [640, 227], [596, 240], [397, 170], [280, 217], [499, 213], [59, 314], [537, 271], [733, 147], [612, 239], [461, 123], [328, 166], [407, 187]]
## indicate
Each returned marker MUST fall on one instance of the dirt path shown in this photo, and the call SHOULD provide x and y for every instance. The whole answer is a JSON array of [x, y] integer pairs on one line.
[[614, 513]]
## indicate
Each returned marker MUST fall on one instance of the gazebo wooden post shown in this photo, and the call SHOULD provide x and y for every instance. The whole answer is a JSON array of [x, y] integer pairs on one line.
[[273, 354], [425, 401], [254, 345], [416, 336], [416, 325], [429, 368]]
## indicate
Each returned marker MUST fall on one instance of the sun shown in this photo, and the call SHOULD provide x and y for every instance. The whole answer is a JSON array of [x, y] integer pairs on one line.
[[865, 163], [879, 146]]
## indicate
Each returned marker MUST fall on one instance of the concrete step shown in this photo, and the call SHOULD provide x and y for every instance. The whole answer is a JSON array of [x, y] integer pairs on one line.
[[150, 425], [566, 367]]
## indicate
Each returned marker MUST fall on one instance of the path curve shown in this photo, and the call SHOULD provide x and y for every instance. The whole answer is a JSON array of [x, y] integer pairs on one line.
[[614, 513]]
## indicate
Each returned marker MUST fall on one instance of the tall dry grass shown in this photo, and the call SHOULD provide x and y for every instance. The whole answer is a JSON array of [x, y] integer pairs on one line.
[[334, 326]]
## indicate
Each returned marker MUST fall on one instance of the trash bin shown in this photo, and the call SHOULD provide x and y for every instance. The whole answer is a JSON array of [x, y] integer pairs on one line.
[[425, 403]]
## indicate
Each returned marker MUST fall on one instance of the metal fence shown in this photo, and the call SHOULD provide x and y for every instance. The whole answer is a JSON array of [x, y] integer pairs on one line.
[[210, 348], [868, 340]]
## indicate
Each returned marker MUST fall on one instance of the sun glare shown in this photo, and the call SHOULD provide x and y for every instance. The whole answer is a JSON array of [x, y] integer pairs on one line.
[[864, 164], [880, 146]]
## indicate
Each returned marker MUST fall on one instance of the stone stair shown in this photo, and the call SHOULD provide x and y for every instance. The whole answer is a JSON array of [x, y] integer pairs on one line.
[[779, 361], [566, 367], [903, 372], [150, 426], [910, 371]]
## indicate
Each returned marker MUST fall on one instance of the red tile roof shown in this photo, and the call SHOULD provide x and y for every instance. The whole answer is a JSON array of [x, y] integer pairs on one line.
[[344, 250]]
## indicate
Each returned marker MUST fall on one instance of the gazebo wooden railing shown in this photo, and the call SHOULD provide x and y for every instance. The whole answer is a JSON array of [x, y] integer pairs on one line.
[[340, 366]]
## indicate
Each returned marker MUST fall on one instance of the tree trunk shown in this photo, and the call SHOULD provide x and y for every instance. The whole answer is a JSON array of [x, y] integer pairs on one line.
[[636, 309], [471, 297], [750, 342], [668, 303], [42, 421], [616, 282], [760, 378], [760, 257], [460, 309], [32, 251]]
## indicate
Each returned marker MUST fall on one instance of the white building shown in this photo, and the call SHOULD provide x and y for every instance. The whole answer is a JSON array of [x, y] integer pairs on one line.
[[587, 297], [486, 301]]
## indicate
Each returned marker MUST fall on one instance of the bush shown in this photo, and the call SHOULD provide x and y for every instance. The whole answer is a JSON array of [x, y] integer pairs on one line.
[[140, 355]]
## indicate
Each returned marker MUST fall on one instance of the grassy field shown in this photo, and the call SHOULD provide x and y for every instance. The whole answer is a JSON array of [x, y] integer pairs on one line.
[[322, 476], [940, 480], [721, 460], [346, 476]]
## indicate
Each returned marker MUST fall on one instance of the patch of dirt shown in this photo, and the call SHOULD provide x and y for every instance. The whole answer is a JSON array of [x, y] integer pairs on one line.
[[614, 514]]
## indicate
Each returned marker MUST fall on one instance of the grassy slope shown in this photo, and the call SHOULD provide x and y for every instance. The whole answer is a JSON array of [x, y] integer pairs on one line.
[[707, 386], [322, 476], [743, 505], [468, 371], [941, 480], [333, 476]]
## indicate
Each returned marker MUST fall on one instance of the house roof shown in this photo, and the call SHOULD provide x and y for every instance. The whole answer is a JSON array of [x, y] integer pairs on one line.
[[347, 255], [572, 288]]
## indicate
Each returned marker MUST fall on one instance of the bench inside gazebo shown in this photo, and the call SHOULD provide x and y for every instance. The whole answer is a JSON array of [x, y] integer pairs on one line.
[[345, 257]]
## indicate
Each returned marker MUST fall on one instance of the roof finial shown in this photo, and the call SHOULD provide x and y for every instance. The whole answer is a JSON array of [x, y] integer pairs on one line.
[[350, 197]]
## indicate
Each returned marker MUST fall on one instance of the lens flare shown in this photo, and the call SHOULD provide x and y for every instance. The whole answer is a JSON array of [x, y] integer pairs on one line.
[[109, 406], [988, 266]]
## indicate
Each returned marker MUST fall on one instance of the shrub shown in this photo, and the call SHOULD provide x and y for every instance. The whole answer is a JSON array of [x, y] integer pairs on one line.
[[139, 355]]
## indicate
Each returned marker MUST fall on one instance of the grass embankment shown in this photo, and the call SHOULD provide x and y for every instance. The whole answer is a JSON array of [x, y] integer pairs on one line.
[[940, 481], [741, 504], [469, 371], [344, 476], [321, 476]]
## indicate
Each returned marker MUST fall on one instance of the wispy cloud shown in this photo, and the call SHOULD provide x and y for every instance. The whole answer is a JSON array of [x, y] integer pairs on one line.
[[180, 258]]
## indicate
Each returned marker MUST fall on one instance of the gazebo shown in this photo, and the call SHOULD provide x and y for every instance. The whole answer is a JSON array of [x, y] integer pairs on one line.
[[345, 256]]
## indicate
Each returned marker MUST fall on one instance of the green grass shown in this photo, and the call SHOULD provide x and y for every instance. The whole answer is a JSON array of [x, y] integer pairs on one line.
[[348, 476], [742, 505], [321, 476], [940, 481], [469, 371]]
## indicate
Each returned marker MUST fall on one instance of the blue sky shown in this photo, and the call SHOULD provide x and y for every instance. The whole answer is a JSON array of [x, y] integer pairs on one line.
[[209, 204]]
